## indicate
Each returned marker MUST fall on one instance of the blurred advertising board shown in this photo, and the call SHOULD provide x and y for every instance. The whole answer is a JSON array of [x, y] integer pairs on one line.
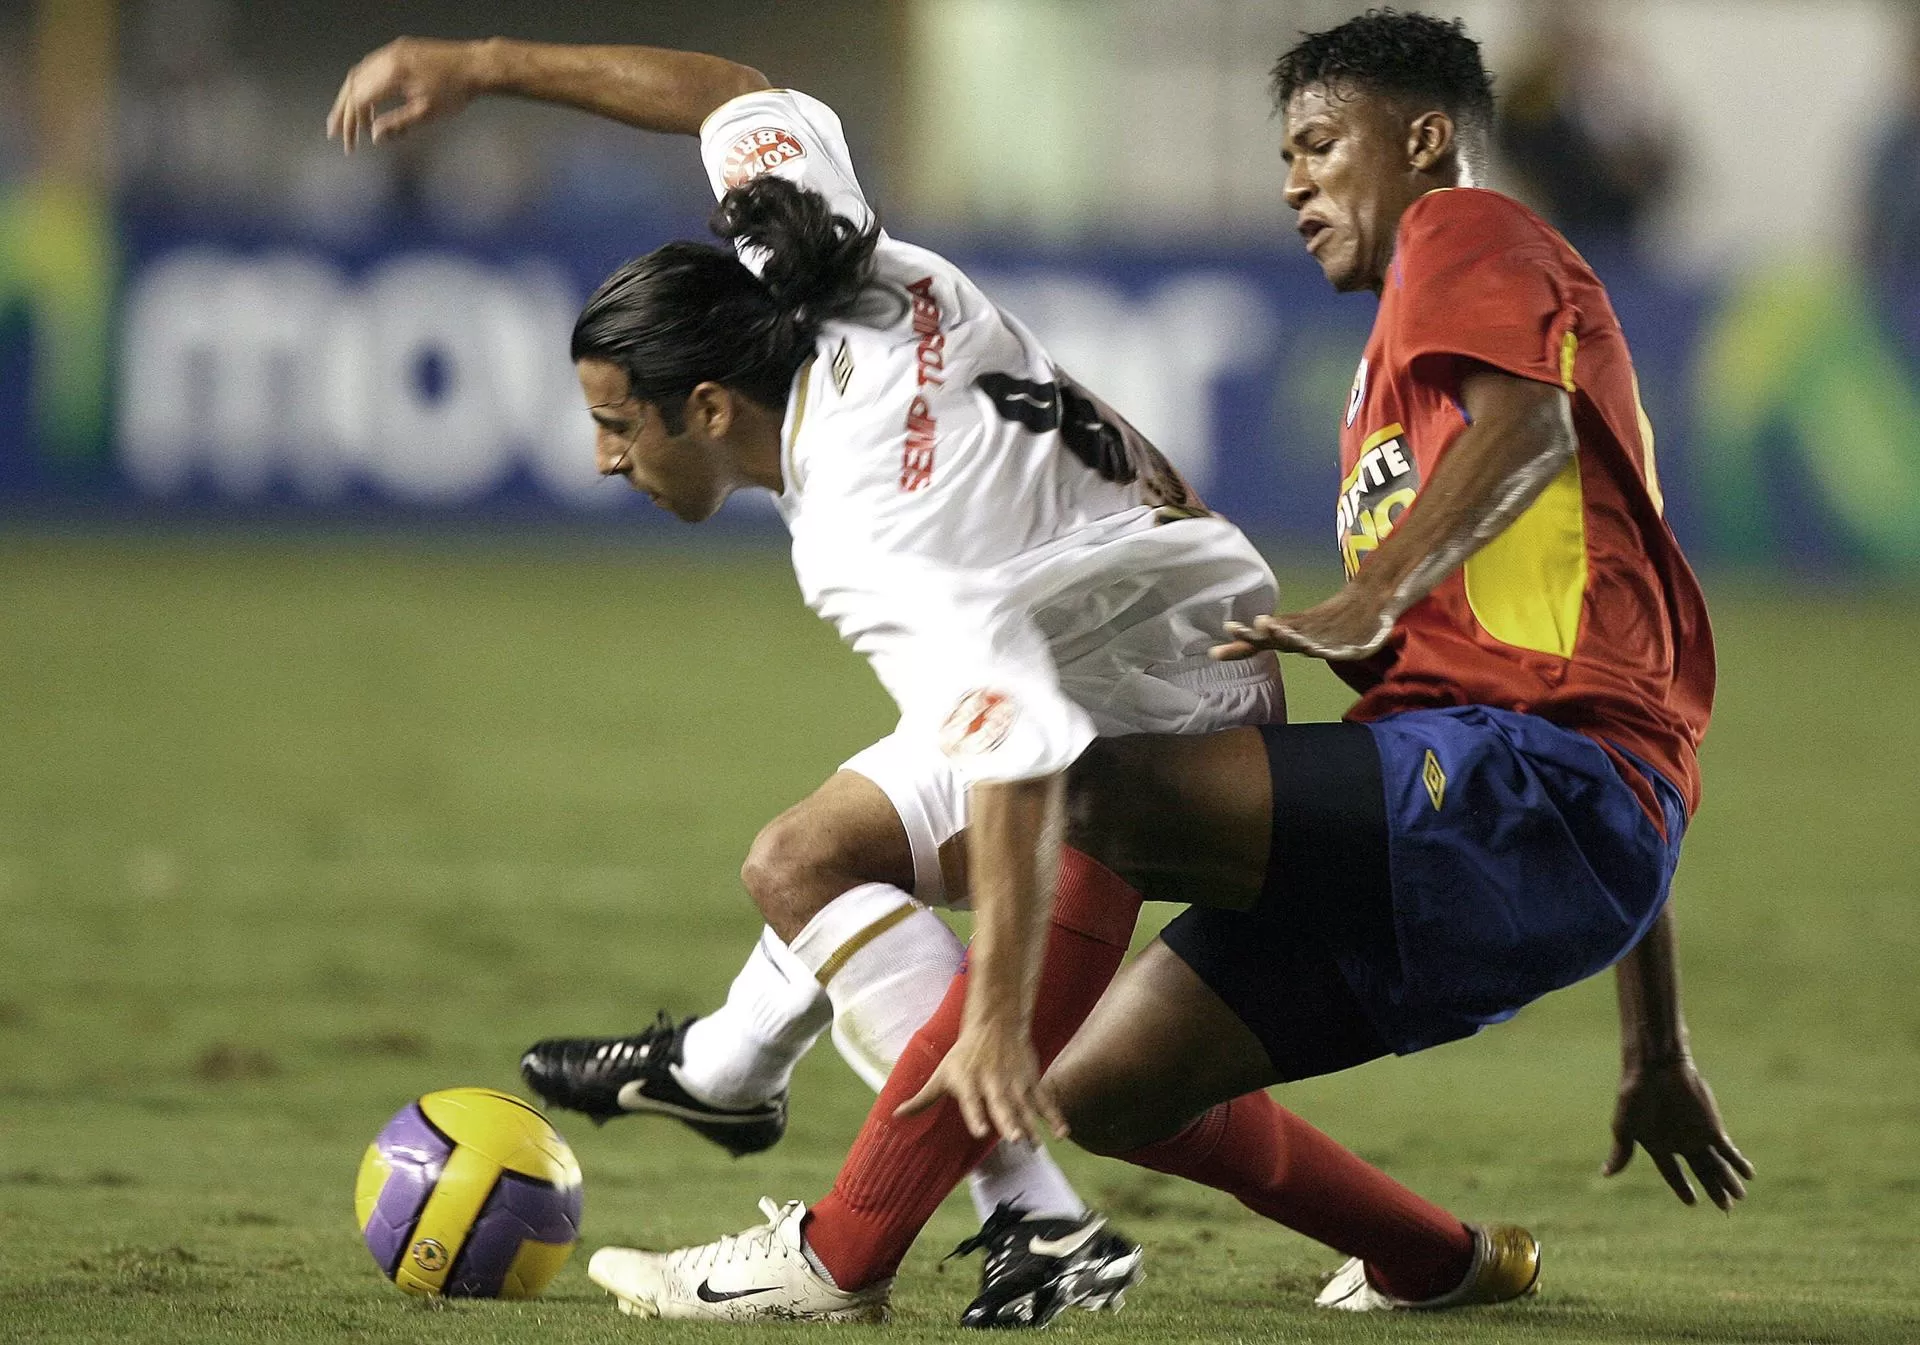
[[156, 369]]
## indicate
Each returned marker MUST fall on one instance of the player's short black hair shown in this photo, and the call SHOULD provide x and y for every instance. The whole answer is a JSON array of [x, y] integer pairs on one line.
[[689, 313], [1412, 56]]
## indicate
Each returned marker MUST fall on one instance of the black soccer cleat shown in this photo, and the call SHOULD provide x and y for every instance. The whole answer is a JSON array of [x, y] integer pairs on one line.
[[1037, 1268], [607, 1077]]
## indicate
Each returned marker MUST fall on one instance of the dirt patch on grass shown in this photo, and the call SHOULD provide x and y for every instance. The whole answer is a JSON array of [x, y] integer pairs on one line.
[[390, 1045], [225, 1062], [147, 1270], [107, 1178]]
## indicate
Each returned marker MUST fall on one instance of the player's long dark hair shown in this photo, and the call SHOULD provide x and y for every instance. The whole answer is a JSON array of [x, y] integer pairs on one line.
[[689, 313]]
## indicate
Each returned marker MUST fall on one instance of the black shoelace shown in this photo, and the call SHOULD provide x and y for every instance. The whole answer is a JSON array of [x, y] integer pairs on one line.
[[992, 1236]]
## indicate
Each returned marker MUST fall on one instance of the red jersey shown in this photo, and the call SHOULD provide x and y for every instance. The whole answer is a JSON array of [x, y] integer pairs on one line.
[[1583, 611]]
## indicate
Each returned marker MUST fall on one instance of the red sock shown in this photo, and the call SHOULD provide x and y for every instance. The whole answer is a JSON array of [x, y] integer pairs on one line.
[[899, 1171], [1276, 1164]]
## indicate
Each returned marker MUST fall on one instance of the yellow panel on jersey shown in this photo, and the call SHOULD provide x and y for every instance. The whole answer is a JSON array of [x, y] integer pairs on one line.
[[1647, 467], [464, 1185], [1526, 585]]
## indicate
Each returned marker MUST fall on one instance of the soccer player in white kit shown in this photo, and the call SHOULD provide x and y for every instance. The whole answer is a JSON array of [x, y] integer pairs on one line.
[[1024, 572]]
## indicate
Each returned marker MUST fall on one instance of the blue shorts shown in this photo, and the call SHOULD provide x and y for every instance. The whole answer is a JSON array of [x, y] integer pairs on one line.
[[1431, 873]]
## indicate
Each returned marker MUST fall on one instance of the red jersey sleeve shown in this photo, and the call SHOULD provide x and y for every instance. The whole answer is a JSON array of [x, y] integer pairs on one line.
[[1480, 279]]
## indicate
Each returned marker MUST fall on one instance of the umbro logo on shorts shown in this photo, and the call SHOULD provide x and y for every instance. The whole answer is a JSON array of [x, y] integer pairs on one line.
[[1434, 779]]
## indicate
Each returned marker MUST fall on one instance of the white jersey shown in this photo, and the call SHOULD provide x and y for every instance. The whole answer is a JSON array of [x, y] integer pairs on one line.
[[994, 540]]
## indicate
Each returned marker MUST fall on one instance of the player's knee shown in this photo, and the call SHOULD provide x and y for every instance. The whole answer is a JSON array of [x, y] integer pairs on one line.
[[1098, 1132], [1107, 1110], [784, 869], [1115, 1123]]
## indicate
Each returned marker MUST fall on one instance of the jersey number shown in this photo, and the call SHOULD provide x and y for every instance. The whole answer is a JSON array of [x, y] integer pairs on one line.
[[1092, 431]]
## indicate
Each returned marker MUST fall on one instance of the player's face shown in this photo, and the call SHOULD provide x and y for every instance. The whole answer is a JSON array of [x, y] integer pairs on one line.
[[1349, 179], [682, 473]]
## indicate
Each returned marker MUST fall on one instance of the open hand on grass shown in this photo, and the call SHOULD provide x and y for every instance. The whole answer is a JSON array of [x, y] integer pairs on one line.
[[1669, 1111]]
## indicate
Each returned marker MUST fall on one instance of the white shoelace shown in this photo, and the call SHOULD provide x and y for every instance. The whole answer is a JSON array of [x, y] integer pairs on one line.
[[752, 1244]]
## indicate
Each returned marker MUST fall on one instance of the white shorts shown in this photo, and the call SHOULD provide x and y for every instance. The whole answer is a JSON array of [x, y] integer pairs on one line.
[[931, 798]]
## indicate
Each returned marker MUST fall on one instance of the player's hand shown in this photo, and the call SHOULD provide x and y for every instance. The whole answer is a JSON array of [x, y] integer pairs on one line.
[[425, 77], [993, 1075], [1669, 1111], [1349, 625]]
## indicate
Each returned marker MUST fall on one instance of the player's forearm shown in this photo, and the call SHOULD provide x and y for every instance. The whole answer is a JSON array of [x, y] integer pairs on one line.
[[1652, 1031], [1013, 857], [653, 88], [1520, 437]]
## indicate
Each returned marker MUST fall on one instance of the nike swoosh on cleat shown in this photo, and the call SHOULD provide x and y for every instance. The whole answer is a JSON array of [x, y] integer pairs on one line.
[[1068, 1245], [631, 1097], [708, 1294]]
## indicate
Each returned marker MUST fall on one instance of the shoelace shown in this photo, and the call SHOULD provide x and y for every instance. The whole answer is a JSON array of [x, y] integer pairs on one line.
[[1006, 1217], [748, 1245], [619, 1054], [659, 1045]]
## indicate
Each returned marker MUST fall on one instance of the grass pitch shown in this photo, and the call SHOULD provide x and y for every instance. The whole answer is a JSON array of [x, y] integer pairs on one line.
[[291, 832]]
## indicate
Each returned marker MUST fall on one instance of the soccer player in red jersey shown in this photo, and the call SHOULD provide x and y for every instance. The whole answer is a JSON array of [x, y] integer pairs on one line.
[[1499, 816]]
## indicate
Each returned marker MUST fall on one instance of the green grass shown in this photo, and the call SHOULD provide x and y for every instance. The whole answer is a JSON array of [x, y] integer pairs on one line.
[[293, 831]]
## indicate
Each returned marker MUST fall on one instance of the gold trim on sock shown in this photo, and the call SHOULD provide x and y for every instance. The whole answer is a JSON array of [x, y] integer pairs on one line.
[[845, 951]]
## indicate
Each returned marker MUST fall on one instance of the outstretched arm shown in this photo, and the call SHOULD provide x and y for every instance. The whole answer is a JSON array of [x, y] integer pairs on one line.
[[1665, 1107], [416, 79], [1519, 436], [1013, 858]]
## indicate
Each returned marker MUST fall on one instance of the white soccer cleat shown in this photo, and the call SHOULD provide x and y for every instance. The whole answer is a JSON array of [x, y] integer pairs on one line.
[[1506, 1265], [762, 1274], [1348, 1291]]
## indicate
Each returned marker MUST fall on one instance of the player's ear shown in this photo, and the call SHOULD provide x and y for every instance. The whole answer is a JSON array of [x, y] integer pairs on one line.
[[710, 409], [1430, 140]]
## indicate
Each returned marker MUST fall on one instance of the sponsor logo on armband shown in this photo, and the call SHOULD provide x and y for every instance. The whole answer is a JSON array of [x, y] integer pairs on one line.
[[759, 152], [979, 723]]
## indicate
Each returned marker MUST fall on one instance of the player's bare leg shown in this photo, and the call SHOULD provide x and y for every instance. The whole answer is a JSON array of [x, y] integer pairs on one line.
[[845, 945], [1182, 819], [841, 836], [1158, 1050], [1165, 1074]]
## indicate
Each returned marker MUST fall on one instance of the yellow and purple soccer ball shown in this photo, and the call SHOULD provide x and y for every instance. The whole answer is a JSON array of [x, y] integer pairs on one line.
[[469, 1193]]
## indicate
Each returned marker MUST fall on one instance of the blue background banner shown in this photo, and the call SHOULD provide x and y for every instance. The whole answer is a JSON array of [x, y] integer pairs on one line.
[[157, 368]]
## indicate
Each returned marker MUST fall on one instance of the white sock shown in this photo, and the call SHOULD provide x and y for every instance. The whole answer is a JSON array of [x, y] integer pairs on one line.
[[744, 1052], [1026, 1175], [886, 962]]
